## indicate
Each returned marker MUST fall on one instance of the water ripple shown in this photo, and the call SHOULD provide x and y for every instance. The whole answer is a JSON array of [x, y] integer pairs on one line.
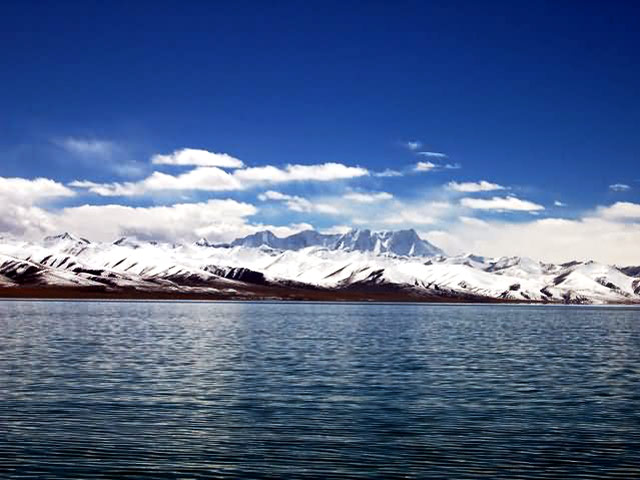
[[224, 390]]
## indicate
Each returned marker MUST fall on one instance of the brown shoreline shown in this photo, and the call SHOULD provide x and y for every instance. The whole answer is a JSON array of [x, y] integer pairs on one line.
[[261, 295], [254, 293]]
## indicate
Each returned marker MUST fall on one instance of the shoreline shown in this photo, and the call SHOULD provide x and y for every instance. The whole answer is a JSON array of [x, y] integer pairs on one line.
[[249, 294], [266, 295]]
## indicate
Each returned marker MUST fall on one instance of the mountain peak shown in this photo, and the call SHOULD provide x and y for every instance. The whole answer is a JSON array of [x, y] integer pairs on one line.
[[132, 242], [203, 242], [400, 242], [65, 236], [264, 237]]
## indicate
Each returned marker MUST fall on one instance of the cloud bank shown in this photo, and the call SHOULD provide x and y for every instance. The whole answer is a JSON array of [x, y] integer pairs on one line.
[[608, 234], [214, 179]]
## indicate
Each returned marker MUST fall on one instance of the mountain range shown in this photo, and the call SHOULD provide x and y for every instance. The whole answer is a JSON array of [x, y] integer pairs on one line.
[[357, 265], [402, 242]]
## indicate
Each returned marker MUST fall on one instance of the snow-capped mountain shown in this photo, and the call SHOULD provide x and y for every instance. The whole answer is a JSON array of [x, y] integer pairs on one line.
[[358, 265], [402, 242]]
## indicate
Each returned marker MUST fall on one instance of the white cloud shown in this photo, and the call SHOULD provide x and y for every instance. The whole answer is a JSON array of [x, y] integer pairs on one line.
[[336, 229], [436, 237], [433, 154], [619, 187], [219, 220], [558, 203], [355, 208], [273, 195], [452, 166], [298, 204], [430, 166], [102, 155], [501, 204], [413, 145], [19, 198], [29, 192], [371, 197], [198, 158], [320, 173], [550, 240], [214, 179], [472, 221], [266, 174], [80, 146], [407, 218], [403, 214], [472, 187], [608, 233], [89, 185], [175, 222], [620, 211], [284, 231], [388, 173], [201, 178], [425, 166], [22, 220]]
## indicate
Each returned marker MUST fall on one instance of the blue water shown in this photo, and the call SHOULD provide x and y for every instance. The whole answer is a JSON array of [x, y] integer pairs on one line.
[[248, 391]]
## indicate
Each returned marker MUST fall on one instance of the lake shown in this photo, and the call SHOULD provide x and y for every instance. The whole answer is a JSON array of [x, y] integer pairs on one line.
[[299, 390]]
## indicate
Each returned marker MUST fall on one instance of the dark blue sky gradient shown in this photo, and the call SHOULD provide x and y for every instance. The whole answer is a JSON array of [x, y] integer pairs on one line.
[[541, 96]]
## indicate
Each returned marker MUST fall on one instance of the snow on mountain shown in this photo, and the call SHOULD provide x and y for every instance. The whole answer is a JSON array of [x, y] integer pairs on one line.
[[64, 237], [592, 280], [402, 242], [66, 242], [203, 242], [358, 259], [265, 238], [16, 272]]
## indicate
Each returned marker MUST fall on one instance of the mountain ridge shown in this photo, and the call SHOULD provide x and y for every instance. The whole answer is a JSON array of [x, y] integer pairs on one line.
[[358, 265], [397, 242]]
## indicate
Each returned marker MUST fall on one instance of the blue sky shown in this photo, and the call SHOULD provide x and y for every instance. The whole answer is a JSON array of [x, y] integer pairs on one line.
[[539, 101]]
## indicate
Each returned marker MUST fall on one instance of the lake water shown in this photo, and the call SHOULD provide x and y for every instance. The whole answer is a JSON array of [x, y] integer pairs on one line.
[[272, 390]]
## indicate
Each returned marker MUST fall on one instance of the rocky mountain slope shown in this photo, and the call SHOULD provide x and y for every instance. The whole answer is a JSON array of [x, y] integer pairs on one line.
[[358, 265]]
